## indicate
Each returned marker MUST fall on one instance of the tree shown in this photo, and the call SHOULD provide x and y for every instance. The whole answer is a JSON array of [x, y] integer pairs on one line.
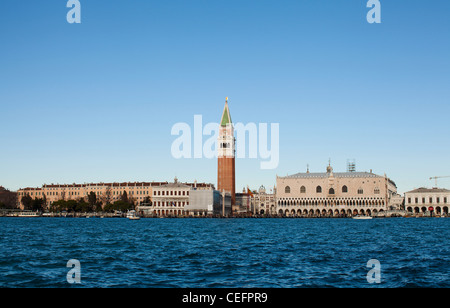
[[37, 204], [63, 195], [119, 205], [124, 196], [147, 200], [92, 199], [58, 206], [44, 198], [108, 195], [98, 206], [83, 206], [71, 205], [27, 202], [8, 199]]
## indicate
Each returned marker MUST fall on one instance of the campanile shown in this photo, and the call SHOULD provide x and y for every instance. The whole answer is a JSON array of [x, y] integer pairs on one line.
[[226, 152]]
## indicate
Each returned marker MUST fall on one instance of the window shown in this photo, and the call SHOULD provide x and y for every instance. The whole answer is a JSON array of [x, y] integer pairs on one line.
[[303, 190], [417, 200], [344, 189], [331, 191], [376, 191], [431, 200], [318, 189], [360, 191], [287, 190], [423, 200], [445, 199]]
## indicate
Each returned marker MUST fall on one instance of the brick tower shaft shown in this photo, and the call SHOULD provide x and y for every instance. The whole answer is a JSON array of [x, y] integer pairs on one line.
[[226, 180]]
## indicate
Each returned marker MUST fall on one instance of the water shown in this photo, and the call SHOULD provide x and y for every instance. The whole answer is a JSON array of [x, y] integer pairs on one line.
[[216, 253]]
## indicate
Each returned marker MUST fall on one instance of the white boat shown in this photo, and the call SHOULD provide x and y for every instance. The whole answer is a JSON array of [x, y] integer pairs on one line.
[[29, 214], [133, 215], [362, 217]]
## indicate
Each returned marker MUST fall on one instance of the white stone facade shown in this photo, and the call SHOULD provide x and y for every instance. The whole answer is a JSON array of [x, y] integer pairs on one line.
[[333, 194], [421, 200]]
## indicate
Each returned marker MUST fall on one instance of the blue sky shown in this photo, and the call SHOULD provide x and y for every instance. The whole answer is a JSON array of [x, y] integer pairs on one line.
[[96, 101]]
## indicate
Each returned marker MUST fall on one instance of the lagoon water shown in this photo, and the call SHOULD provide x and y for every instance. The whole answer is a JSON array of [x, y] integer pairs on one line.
[[232, 253]]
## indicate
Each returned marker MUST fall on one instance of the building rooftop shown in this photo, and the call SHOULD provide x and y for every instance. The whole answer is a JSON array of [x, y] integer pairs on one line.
[[306, 175], [175, 185], [428, 190]]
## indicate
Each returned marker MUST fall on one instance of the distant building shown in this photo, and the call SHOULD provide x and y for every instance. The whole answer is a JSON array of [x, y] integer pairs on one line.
[[171, 199], [208, 202], [105, 192], [242, 204], [263, 203], [396, 202], [255, 202], [333, 194], [137, 192], [421, 200]]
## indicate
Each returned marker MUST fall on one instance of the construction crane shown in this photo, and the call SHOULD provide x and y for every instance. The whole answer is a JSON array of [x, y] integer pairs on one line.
[[438, 177]]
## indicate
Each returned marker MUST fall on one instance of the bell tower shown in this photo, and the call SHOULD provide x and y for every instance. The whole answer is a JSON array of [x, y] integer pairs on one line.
[[226, 153]]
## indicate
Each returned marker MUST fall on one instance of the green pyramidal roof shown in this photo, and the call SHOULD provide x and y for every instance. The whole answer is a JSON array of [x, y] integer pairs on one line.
[[226, 118]]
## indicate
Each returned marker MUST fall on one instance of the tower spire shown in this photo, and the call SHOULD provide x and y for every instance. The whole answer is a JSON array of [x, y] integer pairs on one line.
[[226, 117]]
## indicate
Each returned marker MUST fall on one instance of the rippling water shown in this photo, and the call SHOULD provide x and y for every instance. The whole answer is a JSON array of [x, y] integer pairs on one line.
[[274, 253]]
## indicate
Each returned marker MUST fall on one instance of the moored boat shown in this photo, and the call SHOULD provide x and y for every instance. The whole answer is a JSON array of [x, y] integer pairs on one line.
[[133, 215], [361, 217], [29, 214]]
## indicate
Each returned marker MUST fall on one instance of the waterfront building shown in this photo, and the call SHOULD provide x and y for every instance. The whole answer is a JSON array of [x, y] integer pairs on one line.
[[226, 181], [255, 202], [137, 192], [105, 192], [262, 202], [422, 200], [170, 199], [208, 202], [242, 205], [396, 202], [333, 194]]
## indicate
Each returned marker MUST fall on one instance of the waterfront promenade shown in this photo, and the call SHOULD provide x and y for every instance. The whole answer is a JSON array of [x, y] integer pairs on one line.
[[383, 214]]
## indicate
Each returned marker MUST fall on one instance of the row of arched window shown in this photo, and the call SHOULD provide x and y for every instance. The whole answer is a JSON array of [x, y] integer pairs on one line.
[[331, 191], [362, 202]]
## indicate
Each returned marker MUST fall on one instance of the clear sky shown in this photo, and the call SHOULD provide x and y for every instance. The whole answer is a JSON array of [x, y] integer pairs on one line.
[[96, 101]]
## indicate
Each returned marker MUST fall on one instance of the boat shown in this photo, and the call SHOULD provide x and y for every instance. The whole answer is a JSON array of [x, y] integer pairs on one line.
[[29, 214], [133, 215], [361, 217]]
